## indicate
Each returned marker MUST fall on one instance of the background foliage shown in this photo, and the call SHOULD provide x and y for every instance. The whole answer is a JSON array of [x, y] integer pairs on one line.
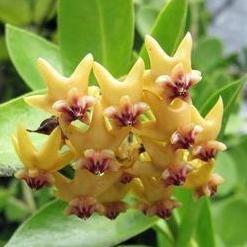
[[63, 32]]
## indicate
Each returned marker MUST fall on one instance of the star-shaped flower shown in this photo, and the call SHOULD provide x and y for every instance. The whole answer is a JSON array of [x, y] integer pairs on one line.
[[88, 194], [95, 136], [168, 117], [177, 85], [174, 71], [113, 89], [58, 85], [40, 164], [155, 199], [211, 124]]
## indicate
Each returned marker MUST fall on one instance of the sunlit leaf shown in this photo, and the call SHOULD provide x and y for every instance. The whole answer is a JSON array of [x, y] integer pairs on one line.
[[145, 18], [16, 12], [51, 225], [169, 27], [24, 48], [104, 28], [204, 229], [189, 213], [227, 169], [207, 54], [12, 113], [229, 221], [229, 94]]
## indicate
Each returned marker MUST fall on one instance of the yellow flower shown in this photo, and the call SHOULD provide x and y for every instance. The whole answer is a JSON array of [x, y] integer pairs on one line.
[[154, 198], [168, 117], [211, 124], [95, 136], [58, 85], [101, 194], [139, 134], [168, 67], [40, 164], [113, 89], [122, 99]]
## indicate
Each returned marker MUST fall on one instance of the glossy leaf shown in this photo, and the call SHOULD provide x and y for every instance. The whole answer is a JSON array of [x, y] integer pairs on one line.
[[209, 84], [51, 225], [145, 19], [204, 230], [226, 167], [10, 13], [169, 27], [164, 236], [24, 48], [229, 94], [189, 213], [43, 10], [207, 54], [239, 155], [12, 113], [104, 28], [230, 221]]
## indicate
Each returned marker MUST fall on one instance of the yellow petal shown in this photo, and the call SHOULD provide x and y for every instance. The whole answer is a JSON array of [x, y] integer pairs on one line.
[[40, 101], [115, 193], [144, 169], [97, 136], [48, 154], [160, 62], [113, 89], [59, 85], [86, 183], [24, 147], [154, 189], [169, 117], [64, 187], [183, 53], [161, 155], [211, 124], [200, 174]]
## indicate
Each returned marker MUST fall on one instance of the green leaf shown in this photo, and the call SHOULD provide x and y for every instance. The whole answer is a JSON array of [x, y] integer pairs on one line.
[[51, 225], [229, 94], [204, 230], [145, 18], [210, 83], [16, 12], [230, 221], [239, 155], [164, 236], [195, 217], [12, 113], [169, 26], [227, 169], [189, 213], [24, 48], [207, 54], [104, 28], [43, 10], [3, 50], [16, 210]]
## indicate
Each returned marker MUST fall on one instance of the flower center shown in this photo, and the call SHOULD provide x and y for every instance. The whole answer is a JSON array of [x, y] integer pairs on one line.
[[176, 175], [83, 207], [98, 162], [127, 113], [77, 110]]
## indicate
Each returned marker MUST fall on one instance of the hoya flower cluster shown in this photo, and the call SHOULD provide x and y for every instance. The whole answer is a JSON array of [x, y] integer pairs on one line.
[[140, 134]]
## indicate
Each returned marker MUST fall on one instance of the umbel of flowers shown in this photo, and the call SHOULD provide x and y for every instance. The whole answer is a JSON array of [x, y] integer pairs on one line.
[[140, 135]]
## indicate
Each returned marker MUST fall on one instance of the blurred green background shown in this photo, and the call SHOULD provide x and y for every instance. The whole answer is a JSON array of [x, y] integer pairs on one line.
[[220, 41]]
